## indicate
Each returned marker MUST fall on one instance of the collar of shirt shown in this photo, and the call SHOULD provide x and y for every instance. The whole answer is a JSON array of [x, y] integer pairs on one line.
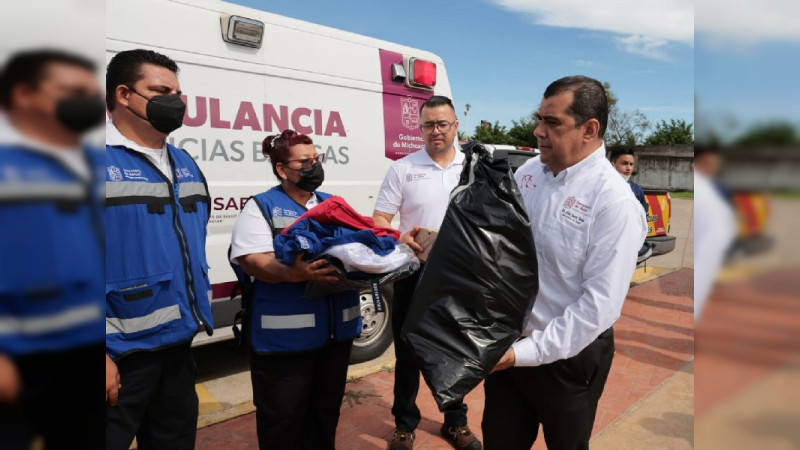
[[115, 138], [571, 172], [424, 159], [158, 156], [72, 157]]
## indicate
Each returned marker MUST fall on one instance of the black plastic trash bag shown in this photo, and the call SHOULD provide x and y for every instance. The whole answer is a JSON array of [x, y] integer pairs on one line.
[[478, 286]]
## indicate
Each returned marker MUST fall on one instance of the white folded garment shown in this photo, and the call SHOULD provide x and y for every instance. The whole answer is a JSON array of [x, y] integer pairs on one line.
[[357, 257]]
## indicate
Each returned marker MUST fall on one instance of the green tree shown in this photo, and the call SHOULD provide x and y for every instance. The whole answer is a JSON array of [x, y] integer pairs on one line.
[[676, 131], [624, 127], [490, 134], [778, 133], [521, 133]]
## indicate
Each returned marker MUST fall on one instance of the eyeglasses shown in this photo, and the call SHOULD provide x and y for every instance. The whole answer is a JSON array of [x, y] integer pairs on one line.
[[305, 163], [443, 126]]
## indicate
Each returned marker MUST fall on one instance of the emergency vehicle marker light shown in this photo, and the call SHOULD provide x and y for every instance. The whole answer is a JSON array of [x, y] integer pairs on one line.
[[398, 72], [242, 31], [423, 73]]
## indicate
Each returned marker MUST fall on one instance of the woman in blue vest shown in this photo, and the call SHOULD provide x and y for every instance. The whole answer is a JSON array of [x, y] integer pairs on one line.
[[300, 346]]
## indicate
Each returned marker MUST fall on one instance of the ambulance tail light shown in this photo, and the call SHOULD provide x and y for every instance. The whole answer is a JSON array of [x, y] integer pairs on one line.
[[422, 74]]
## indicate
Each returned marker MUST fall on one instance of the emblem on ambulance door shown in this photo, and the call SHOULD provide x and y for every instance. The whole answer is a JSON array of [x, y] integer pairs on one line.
[[410, 113]]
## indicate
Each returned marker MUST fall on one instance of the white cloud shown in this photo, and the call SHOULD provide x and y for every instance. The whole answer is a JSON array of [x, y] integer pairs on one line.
[[643, 45], [642, 27], [749, 22]]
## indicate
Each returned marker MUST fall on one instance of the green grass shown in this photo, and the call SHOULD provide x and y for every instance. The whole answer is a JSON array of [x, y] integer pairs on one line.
[[687, 194], [791, 195]]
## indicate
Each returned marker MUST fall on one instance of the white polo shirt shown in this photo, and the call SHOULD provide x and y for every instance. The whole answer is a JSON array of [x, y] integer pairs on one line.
[[158, 156], [73, 158], [588, 228], [419, 189]]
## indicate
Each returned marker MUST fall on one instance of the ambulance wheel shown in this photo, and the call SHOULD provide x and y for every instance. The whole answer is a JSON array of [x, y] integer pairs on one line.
[[376, 331]]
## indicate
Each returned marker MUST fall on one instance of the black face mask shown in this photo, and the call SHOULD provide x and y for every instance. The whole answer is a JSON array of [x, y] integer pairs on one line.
[[311, 178], [80, 113], [164, 112]]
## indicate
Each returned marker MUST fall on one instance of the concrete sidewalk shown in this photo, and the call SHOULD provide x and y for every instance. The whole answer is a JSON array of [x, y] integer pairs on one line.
[[647, 401]]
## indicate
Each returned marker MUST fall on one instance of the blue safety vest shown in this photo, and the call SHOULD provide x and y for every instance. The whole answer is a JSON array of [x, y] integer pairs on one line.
[[157, 288], [51, 253], [282, 320]]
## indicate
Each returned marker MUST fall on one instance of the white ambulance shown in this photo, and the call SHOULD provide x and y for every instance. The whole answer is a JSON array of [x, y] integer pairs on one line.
[[247, 74]]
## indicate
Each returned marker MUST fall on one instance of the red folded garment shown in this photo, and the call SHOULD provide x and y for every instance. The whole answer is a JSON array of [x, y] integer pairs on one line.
[[336, 211]]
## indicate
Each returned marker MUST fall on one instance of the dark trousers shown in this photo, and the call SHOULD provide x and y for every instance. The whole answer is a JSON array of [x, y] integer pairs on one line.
[[406, 371], [561, 396], [157, 401], [298, 397], [59, 402]]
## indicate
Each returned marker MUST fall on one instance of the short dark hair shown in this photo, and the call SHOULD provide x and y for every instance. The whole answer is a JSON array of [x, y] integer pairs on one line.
[[125, 69], [617, 152], [438, 100], [702, 150], [589, 102], [276, 147], [30, 67]]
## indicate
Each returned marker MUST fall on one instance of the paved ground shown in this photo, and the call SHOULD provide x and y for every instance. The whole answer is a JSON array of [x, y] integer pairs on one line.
[[654, 343], [747, 348]]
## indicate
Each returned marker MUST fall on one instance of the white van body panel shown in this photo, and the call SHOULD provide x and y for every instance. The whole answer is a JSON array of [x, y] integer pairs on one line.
[[325, 80]]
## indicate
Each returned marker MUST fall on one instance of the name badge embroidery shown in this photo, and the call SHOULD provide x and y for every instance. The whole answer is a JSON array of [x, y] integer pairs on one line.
[[574, 211], [410, 177]]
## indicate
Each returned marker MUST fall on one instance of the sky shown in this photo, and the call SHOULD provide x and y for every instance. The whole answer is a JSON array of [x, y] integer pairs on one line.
[[747, 64], [500, 55]]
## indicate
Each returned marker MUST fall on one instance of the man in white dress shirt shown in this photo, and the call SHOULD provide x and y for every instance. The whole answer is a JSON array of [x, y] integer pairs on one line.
[[587, 226]]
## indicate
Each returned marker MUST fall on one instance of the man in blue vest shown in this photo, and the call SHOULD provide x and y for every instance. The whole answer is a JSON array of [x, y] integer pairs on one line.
[[157, 287], [51, 251]]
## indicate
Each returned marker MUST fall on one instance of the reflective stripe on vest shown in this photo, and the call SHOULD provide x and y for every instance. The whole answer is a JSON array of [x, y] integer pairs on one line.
[[283, 222], [351, 313], [191, 188], [32, 191], [136, 324], [117, 189], [63, 320], [288, 322]]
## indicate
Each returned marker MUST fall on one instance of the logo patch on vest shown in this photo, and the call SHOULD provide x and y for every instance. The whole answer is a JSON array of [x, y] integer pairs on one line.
[[114, 174], [304, 244], [183, 172]]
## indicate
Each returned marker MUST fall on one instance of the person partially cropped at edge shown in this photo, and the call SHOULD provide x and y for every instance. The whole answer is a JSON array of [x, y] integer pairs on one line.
[[587, 226], [51, 251], [300, 347], [158, 294]]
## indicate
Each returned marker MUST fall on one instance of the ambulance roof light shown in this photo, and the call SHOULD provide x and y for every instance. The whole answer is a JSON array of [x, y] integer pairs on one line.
[[241, 30], [422, 73]]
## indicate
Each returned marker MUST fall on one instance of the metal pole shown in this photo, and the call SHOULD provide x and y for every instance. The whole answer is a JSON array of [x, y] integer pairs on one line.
[[466, 119]]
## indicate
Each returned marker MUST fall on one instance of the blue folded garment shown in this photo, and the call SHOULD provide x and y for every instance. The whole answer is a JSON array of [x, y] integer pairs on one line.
[[314, 238]]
